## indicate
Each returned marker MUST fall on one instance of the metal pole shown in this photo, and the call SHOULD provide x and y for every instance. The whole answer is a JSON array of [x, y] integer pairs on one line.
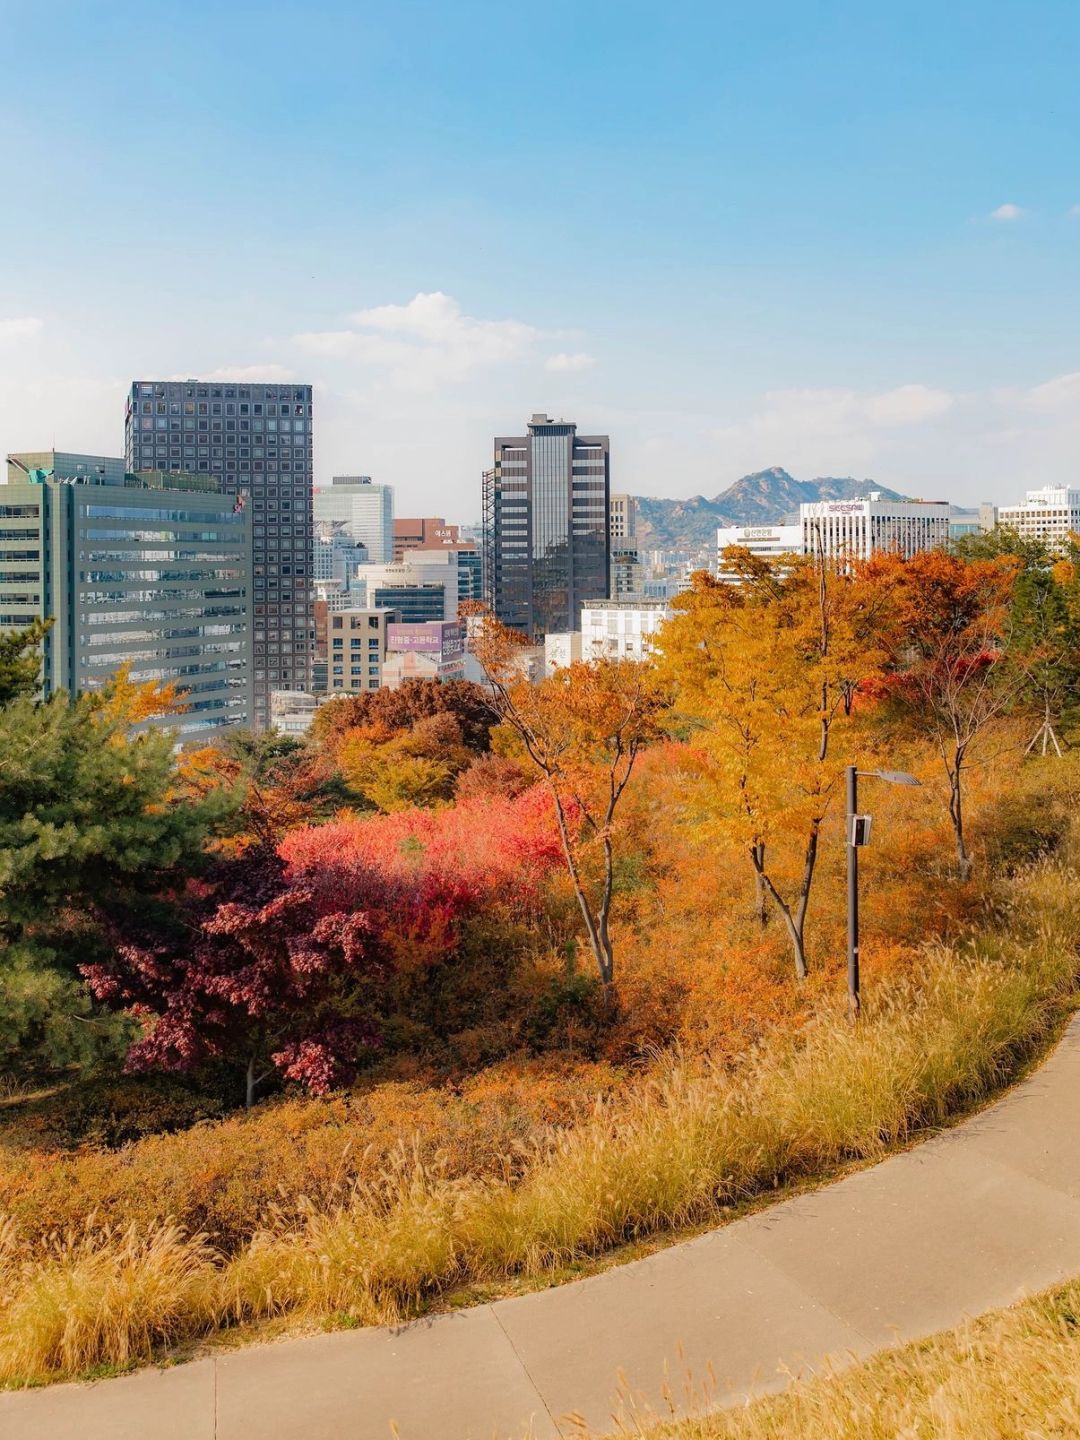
[[852, 892]]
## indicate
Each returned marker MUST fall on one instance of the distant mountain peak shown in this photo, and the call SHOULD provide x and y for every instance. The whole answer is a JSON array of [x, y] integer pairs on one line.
[[763, 498]]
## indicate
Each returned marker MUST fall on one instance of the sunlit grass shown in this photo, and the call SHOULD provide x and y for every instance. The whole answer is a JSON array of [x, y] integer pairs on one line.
[[1013, 1373], [681, 1147]]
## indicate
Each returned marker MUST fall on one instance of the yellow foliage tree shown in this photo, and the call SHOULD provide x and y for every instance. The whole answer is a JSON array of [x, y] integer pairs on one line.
[[766, 670]]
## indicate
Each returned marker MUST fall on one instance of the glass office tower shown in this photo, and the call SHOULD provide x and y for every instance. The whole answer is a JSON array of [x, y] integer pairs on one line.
[[546, 526], [256, 441], [150, 571]]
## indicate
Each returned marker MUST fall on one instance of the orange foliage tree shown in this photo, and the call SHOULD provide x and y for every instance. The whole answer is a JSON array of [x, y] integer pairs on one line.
[[945, 630], [583, 729], [765, 670]]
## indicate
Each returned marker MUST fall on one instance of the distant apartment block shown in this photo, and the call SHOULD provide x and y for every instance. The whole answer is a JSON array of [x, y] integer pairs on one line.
[[153, 571], [361, 508], [546, 526], [256, 441], [1050, 514]]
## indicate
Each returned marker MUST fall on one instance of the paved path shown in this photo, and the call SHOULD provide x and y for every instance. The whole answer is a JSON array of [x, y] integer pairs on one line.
[[966, 1222]]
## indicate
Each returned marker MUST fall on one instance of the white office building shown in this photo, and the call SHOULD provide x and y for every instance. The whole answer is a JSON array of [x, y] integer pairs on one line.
[[422, 585], [621, 629], [1051, 514], [768, 541], [361, 509], [855, 529]]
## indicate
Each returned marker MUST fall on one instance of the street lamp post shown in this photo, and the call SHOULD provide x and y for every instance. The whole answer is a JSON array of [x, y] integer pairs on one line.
[[858, 835]]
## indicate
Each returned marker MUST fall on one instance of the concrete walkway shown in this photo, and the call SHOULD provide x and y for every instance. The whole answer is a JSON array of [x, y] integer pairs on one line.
[[964, 1223]]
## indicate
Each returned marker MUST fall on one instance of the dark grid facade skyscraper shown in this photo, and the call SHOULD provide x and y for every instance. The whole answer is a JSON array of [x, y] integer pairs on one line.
[[546, 526], [257, 440]]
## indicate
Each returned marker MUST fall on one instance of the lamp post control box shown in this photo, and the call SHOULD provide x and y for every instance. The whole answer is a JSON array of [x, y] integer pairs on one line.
[[860, 829]]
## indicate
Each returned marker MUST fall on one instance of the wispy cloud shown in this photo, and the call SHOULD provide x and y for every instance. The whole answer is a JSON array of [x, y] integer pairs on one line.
[[427, 342], [21, 327], [564, 362], [1008, 211], [243, 374]]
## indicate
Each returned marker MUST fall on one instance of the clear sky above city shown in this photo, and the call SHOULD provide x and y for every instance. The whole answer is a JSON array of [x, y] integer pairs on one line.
[[838, 237]]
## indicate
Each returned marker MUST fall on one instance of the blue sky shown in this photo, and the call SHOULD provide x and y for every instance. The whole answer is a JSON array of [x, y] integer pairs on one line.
[[838, 237]]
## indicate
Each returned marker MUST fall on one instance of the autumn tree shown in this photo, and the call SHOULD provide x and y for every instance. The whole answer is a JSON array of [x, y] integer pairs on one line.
[[582, 729], [251, 970], [945, 629], [402, 707], [767, 668]]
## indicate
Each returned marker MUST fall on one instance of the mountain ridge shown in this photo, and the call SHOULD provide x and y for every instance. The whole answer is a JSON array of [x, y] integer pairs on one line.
[[762, 498]]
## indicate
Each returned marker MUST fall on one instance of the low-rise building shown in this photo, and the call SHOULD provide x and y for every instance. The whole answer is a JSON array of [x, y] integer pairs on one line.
[[771, 542], [621, 629], [561, 649], [431, 650], [1051, 514], [356, 649]]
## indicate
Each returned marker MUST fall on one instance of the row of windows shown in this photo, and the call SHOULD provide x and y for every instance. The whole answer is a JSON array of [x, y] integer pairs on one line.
[[94, 577], [121, 657], [183, 517], [191, 632], [13, 555], [19, 512]]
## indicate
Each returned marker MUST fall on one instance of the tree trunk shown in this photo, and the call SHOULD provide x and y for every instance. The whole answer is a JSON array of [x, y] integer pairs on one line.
[[601, 947], [761, 899], [965, 863], [249, 1084], [794, 923]]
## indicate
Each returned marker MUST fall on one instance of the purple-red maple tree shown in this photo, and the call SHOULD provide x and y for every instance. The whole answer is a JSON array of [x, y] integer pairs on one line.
[[254, 969]]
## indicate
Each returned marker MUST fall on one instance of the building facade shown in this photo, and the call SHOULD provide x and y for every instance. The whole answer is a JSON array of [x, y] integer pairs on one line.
[[1051, 514], [433, 650], [356, 649], [546, 526], [423, 585], [151, 571], [769, 541], [621, 629], [360, 508], [256, 442], [971, 520], [431, 532], [855, 529]]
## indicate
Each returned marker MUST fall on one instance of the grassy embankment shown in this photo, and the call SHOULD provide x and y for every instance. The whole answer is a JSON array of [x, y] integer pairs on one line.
[[680, 1148], [1010, 1374]]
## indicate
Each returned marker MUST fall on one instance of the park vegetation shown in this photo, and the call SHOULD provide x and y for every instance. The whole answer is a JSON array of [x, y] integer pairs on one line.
[[483, 980]]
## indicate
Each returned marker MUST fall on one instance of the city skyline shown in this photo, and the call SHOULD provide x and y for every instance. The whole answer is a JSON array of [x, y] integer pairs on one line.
[[846, 254]]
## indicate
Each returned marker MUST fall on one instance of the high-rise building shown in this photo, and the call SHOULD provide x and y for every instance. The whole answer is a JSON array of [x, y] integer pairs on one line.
[[256, 441], [770, 542], [627, 572], [546, 526], [1051, 514], [150, 571], [363, 509]]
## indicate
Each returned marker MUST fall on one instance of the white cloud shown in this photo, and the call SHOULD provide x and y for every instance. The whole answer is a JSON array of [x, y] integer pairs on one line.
[[564, 362], [23, 327], [907, 405], [1008, 211], [242, 374], [427, 342]]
